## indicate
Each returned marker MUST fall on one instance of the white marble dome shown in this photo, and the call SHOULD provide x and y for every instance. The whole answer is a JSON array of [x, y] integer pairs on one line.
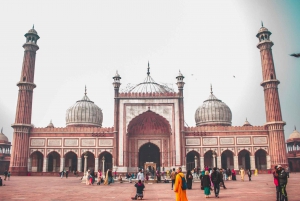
[[84, 113], [295, 134], [3, 137], [213, 112]]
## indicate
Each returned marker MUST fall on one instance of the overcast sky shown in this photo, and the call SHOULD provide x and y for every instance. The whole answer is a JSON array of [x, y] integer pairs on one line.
[[85, 42]]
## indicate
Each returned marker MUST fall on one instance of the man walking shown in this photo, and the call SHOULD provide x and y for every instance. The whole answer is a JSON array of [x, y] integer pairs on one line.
[[5, 175], [276, 182], [215, 178], [173, 176], [287, 170], [140, 176], [282, 178], [180, 193], [222, 178]]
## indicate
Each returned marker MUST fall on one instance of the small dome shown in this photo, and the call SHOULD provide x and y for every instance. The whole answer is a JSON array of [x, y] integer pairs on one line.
[[295, 134], [84, 113], [213, 112], [3, 137], [247, 123], [50, 125], [262, 29]]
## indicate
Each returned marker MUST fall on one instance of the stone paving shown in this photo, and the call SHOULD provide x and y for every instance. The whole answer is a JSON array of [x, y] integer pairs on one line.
[[56, 189]]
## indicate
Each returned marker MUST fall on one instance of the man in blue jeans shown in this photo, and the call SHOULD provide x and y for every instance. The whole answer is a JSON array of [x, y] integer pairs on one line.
[[215, 178]]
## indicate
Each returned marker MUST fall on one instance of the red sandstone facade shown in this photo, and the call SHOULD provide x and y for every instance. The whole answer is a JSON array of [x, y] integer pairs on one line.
[[148, 128]]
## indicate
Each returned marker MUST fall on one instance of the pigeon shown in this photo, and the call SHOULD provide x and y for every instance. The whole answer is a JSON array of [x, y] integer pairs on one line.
[[295, 55], [233, 76]]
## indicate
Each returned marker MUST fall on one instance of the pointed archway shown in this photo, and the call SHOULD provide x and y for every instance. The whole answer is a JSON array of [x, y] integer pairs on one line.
[[149, 152], [90, 161], [192, 160], [36, 161], [227, 159], [71, 161], [107, 160], [208, 159], [244, 159], [261, 159], [53, 162]]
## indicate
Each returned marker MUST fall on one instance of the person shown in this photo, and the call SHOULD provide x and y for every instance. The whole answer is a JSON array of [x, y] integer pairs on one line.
[[5, 175], [62, 174], [8, 175], [92, 175], [179, 192], [99, 176], [110, 177], [276, 182], [222, 178], [140, 176], [139, 190], [233, 175], [87, 181], [287, 170], [158, 176], [189, 179], [242, 173], [173, 176], [282, 178], [120, 178], [67, 173], [229, 174], [205, 183], [249, 173], [1, 182], [215, 178], [255, 172]]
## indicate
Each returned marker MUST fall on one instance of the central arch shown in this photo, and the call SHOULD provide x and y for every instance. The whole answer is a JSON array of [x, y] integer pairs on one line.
[[149, 152]]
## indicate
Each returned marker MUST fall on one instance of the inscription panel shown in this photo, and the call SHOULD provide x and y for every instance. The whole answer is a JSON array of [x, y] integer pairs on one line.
[[193, 141], [260, 140], [227, 140], [210, 141], [88, 142], [71, 142], [244, 140], [37, 142], [54, 142], [105, 142]]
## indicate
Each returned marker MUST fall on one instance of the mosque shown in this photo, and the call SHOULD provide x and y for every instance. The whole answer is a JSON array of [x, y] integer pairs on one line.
[[149, 128]]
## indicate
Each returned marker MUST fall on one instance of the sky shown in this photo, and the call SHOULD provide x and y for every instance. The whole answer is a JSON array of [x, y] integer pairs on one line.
[[210, 42]]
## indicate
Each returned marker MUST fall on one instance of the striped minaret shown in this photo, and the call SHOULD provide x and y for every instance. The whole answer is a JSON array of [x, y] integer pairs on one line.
[[22, 125], [277, 148]]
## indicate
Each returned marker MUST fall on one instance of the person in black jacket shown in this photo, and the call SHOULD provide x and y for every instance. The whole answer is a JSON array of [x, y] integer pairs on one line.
[[215, 178], [189, 179], [222, 178], [282, 178], [139, 190], [206, 184], [249, 173]]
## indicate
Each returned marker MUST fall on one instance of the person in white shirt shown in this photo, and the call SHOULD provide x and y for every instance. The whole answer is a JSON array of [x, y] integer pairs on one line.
[[140, 176]]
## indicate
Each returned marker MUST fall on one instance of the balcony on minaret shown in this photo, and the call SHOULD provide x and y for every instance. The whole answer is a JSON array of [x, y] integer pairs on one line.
[[180, 82], [117, 82], [32, 36]]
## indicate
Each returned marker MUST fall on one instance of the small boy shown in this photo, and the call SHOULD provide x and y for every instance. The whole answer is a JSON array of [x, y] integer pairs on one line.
[[139, 190]]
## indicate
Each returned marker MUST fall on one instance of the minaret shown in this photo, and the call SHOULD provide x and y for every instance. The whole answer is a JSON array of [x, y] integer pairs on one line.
[[277, 148], [22, 125], [116, 85], [180, 85]]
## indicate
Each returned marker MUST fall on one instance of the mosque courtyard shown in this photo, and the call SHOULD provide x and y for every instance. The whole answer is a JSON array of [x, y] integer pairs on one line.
[[56, 189]]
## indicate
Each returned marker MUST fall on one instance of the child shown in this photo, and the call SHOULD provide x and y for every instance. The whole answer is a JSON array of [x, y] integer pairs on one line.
[[139, 190]]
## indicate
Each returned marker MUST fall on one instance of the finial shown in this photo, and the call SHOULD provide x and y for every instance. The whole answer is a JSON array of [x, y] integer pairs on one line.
[[33, 26], [51, 121], [85, 90], [294, 126], [262, 24], [148, 72], [246, 119], [211, 89], [2, 130]]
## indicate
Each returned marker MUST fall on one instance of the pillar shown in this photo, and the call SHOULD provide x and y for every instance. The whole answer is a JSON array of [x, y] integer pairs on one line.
[[268, 162], [85, 165], [219, 165], [96, 164], [196, 162], [103, 167], [79, 164], [214, 161], [62, 164], [252, 162], [45, 165], [236, 162], [202, 162], [54, 165]]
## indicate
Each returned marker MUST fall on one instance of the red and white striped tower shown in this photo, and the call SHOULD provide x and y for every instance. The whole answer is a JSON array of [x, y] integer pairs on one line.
[[22, 125], [277, 149]]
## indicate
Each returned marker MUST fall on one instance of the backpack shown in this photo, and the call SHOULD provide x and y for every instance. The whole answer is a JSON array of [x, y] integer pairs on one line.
[[183, 185]]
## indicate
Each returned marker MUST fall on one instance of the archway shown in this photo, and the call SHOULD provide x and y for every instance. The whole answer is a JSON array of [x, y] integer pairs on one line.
[[261, 159], [208, 159], [107, 161], [190, 160], [149, 152], [36, 161], [227, 159], [90, 161], [53, 162], [244, 159], [71, 161]]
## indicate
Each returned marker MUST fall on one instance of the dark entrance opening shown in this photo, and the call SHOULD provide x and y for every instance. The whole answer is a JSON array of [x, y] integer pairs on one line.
[[190, 160], [149, 153], [53, 162], [71, 161], [107, 161], [244, 160], [227, 159]]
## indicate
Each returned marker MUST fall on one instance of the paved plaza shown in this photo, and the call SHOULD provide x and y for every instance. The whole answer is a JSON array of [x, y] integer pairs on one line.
[[57, 189]]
